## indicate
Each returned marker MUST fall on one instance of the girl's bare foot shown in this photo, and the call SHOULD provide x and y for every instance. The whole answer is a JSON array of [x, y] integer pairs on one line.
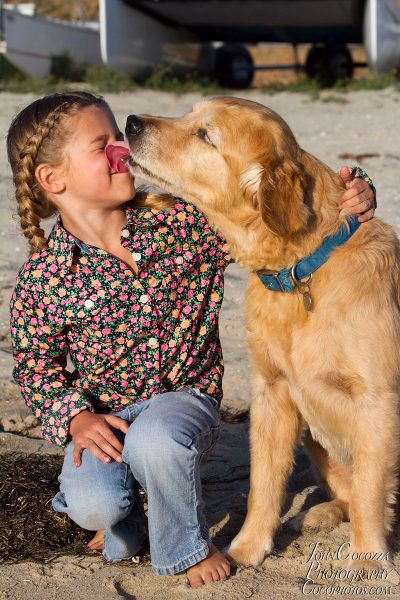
[[96, 543], [214, 567]]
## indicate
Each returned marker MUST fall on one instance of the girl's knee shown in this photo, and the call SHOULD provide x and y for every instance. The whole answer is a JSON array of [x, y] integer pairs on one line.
[[155, 440], [162, 448], [92, 510], [168, 431], [165, 427]]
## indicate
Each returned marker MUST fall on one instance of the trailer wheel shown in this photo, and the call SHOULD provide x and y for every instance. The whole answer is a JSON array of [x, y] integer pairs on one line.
[[234, 67], [328, 63]]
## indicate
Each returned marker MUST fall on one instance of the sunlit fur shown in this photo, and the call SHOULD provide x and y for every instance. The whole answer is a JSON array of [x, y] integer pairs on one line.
[[332, 374]]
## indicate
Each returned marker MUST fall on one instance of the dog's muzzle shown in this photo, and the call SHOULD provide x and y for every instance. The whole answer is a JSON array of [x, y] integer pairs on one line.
[[134, 125]]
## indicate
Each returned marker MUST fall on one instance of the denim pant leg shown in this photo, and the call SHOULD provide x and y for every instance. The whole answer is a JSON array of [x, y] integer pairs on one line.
[[164, 448], [100, 495]]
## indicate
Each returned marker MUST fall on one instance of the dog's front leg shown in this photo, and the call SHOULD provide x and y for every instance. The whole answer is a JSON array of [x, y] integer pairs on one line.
[[274, 431], [375, 447]]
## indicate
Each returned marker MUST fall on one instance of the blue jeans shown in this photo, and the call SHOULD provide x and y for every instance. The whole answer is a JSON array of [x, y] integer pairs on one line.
[[168, 438]]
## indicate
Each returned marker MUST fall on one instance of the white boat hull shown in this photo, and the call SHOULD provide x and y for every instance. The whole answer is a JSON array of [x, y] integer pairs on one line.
[[382, 34], [133, 42], [31, 41]]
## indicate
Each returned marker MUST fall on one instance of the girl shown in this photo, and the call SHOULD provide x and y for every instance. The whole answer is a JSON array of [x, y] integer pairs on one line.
[[130, 287]]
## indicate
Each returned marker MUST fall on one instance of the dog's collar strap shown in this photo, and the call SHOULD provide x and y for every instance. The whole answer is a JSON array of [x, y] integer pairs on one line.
[[288, 279]]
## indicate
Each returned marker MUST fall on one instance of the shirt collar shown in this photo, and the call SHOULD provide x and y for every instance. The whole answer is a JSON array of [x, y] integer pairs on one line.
[[63, 243]]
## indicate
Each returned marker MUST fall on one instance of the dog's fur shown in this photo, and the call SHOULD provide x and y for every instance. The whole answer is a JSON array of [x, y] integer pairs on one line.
[[330, 375]]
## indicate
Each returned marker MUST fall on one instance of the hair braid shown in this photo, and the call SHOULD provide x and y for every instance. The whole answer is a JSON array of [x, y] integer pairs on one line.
[[32, 204], [31, 208], [34, 142], [36, 136]]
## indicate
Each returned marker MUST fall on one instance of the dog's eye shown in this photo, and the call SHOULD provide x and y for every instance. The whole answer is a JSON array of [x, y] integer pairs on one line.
[[203, 135]]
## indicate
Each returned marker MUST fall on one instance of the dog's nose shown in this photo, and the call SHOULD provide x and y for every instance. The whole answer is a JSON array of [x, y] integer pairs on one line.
[[134, 125]]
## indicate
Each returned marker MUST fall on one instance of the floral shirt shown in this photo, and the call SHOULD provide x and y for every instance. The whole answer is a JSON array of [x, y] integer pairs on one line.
[[129, 336]]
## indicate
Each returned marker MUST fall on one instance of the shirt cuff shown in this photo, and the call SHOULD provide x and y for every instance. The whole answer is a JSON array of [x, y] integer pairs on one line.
[[358, 172], [55, 422]]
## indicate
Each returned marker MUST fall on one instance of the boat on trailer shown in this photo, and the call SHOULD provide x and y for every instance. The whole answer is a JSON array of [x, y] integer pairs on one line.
[[136, 36], [215, 32], [210, 34]]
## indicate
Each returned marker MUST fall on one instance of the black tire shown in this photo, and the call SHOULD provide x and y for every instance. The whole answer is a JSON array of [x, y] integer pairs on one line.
[[234, 67], [329, 63]]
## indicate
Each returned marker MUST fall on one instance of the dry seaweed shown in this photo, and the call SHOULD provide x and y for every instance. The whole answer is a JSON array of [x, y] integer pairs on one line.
[[30, 529]]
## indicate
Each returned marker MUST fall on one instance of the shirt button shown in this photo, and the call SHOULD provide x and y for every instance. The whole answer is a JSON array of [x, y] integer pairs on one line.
[[179, 260], [89, 303], [125, 233], [153, 343], [136, 255], [143, 298]]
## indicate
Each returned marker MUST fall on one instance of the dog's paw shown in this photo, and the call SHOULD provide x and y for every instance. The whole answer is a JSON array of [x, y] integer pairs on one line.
[[374, 572], [248, 553], [324, 515]]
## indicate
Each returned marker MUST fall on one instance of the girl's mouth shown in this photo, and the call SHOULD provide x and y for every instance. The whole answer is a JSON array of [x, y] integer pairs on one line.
[[118, 154]]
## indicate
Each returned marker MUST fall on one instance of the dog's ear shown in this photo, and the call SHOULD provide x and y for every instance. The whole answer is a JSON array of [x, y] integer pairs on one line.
[[281, 197]]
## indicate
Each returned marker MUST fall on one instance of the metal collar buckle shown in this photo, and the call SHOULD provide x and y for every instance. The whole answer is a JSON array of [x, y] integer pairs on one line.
[[275, 275]]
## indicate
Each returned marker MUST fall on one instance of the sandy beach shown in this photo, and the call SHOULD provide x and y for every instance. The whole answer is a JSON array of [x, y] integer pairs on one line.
[[354, 128]]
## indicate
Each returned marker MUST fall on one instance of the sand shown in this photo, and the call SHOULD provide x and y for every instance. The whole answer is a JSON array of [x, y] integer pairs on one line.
[[359, 127]]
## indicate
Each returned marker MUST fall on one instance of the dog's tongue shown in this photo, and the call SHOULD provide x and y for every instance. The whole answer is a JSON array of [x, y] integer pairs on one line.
[[118, 155]]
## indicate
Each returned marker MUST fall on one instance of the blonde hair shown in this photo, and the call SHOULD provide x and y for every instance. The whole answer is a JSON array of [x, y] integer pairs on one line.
[[36, 136], [152, 200]]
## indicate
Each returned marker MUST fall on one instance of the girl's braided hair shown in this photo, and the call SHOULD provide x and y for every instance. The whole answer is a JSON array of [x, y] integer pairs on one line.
[[37, 136]]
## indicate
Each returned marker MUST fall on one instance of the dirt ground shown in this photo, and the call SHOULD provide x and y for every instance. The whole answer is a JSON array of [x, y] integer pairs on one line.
[[356, 128]]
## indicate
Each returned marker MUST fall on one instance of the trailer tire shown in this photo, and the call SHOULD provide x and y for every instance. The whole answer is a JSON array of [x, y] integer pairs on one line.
[[328, 63], [234, 67]]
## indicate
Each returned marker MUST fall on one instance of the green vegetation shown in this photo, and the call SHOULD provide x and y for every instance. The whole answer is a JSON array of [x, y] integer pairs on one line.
[[7, 70], [333, 99], [373, 82], [102, 79], [65, 74], [316, 91], [165, 79]]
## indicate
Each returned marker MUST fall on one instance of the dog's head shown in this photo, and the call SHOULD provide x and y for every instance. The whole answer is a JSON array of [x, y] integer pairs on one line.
[[225, 152]]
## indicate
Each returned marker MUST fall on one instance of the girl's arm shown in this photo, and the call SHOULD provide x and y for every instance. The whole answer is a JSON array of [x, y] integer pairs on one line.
[[40, 355]]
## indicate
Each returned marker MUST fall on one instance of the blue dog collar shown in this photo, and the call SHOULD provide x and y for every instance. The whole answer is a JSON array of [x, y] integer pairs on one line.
[[288, 279]]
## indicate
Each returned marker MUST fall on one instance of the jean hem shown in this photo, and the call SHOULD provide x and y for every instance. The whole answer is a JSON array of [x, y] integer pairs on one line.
[[116, 560], [185, 563], [120, 558]]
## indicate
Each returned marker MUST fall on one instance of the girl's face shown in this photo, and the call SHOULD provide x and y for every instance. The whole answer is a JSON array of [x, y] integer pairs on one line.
[[88, 180]]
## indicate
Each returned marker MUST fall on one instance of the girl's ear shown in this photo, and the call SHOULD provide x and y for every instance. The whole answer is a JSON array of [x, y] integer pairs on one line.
[[49, 179]]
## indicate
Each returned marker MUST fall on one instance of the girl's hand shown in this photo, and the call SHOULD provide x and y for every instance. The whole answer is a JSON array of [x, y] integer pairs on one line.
[[93, 432], [358, 199]]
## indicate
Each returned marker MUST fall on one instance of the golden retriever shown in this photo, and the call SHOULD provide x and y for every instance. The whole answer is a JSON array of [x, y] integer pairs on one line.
[[331, 374]]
